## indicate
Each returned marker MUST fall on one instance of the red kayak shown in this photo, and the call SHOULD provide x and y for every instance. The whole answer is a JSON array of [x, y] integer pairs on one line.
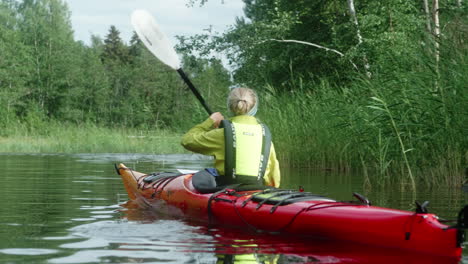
[[276, 211], [226, 243]]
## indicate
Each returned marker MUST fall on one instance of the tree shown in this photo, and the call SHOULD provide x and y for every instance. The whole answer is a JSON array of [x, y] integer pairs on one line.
[[136, 46], [387, 31], [14, 63], [45, 27], [88, 96], [352, 12], [114, 48]]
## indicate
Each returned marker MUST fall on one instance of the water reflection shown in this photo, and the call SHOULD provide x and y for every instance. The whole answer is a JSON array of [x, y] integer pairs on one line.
[[73, 209], [133, 241]]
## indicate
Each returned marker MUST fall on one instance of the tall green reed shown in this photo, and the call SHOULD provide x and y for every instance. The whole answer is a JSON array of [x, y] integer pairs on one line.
[[382, 106], [303, 131], [396, 127]]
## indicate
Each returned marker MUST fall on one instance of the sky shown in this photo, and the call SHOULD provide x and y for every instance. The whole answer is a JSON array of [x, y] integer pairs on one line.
[[174, 16]]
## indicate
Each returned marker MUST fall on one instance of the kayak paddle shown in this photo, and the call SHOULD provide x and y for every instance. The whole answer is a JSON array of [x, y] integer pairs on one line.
[[158, 43]]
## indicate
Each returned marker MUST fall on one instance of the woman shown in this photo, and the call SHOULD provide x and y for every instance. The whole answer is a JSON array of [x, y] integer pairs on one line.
[[241, 146]]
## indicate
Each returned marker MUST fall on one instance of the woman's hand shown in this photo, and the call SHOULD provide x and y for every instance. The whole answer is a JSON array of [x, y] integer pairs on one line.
[[217, 118]]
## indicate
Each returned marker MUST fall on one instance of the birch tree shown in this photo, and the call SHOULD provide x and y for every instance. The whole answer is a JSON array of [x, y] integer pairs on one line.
[[435, 11], [14, 63], [428, 16], [352, 12], [45, 26]]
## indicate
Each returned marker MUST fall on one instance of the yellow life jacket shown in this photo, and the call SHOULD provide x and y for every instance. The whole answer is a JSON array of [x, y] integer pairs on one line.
[[237, 259], [247, 148]]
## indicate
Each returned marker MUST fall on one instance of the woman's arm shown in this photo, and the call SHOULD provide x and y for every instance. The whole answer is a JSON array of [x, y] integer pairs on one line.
[[204, 138]]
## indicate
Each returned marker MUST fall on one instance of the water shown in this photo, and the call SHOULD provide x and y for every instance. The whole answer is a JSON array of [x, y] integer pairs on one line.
[[73, 209]]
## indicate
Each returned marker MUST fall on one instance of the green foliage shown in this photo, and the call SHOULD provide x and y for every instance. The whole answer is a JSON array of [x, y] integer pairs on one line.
[[400, 114], [45, 27], [14, 64], [408, 118], [392, 31], [115, 50], [45, 75]]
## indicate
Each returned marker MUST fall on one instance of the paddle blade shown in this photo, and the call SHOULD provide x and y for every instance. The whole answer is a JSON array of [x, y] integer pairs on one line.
[[154, 38]]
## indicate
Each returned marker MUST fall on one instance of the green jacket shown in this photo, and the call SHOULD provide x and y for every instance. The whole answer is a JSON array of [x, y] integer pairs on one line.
[[206, 140]]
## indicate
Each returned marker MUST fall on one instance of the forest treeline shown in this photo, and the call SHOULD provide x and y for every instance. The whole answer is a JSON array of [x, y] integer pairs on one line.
[[46, 75], [379, 86]]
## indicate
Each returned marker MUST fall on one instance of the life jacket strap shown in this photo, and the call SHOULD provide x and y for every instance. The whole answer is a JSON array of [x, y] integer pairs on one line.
[[266, 144], [229, 150]]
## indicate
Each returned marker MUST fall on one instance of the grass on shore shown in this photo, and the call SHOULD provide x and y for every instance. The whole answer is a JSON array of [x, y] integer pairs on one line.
[[70, 138]]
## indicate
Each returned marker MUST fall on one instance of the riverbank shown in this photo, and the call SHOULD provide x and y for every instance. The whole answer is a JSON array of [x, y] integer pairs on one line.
[[54, 137], [398, 115], [299, 144]]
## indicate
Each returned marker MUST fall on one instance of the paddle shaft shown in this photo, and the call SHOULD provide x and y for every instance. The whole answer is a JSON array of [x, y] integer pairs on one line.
[[194, 90]]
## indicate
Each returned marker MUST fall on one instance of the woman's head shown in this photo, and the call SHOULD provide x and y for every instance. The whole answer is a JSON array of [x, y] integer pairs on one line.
[[243, 101]]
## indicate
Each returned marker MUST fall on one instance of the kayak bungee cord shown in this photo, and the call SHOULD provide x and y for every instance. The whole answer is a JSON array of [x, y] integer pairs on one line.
[[279, 193], [310, 208], [230, 190], [255, 195], [291, 196], [160, 182], [226, 190], [164, 182]]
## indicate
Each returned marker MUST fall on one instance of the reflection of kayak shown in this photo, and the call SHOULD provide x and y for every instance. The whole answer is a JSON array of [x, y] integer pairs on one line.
[[289, 212]]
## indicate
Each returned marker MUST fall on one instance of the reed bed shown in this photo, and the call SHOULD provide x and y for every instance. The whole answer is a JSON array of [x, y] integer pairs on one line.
[[410, 127]]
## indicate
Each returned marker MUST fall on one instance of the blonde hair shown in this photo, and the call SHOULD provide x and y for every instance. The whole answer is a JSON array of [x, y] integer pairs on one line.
[[241, 100]]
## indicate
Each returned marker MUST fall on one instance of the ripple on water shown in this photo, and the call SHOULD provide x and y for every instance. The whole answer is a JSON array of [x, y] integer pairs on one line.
[[28, 251], [99, 207], [90, 199], [162, 241], [94, 242], [102, 212], [82, 219], [136, 256]]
